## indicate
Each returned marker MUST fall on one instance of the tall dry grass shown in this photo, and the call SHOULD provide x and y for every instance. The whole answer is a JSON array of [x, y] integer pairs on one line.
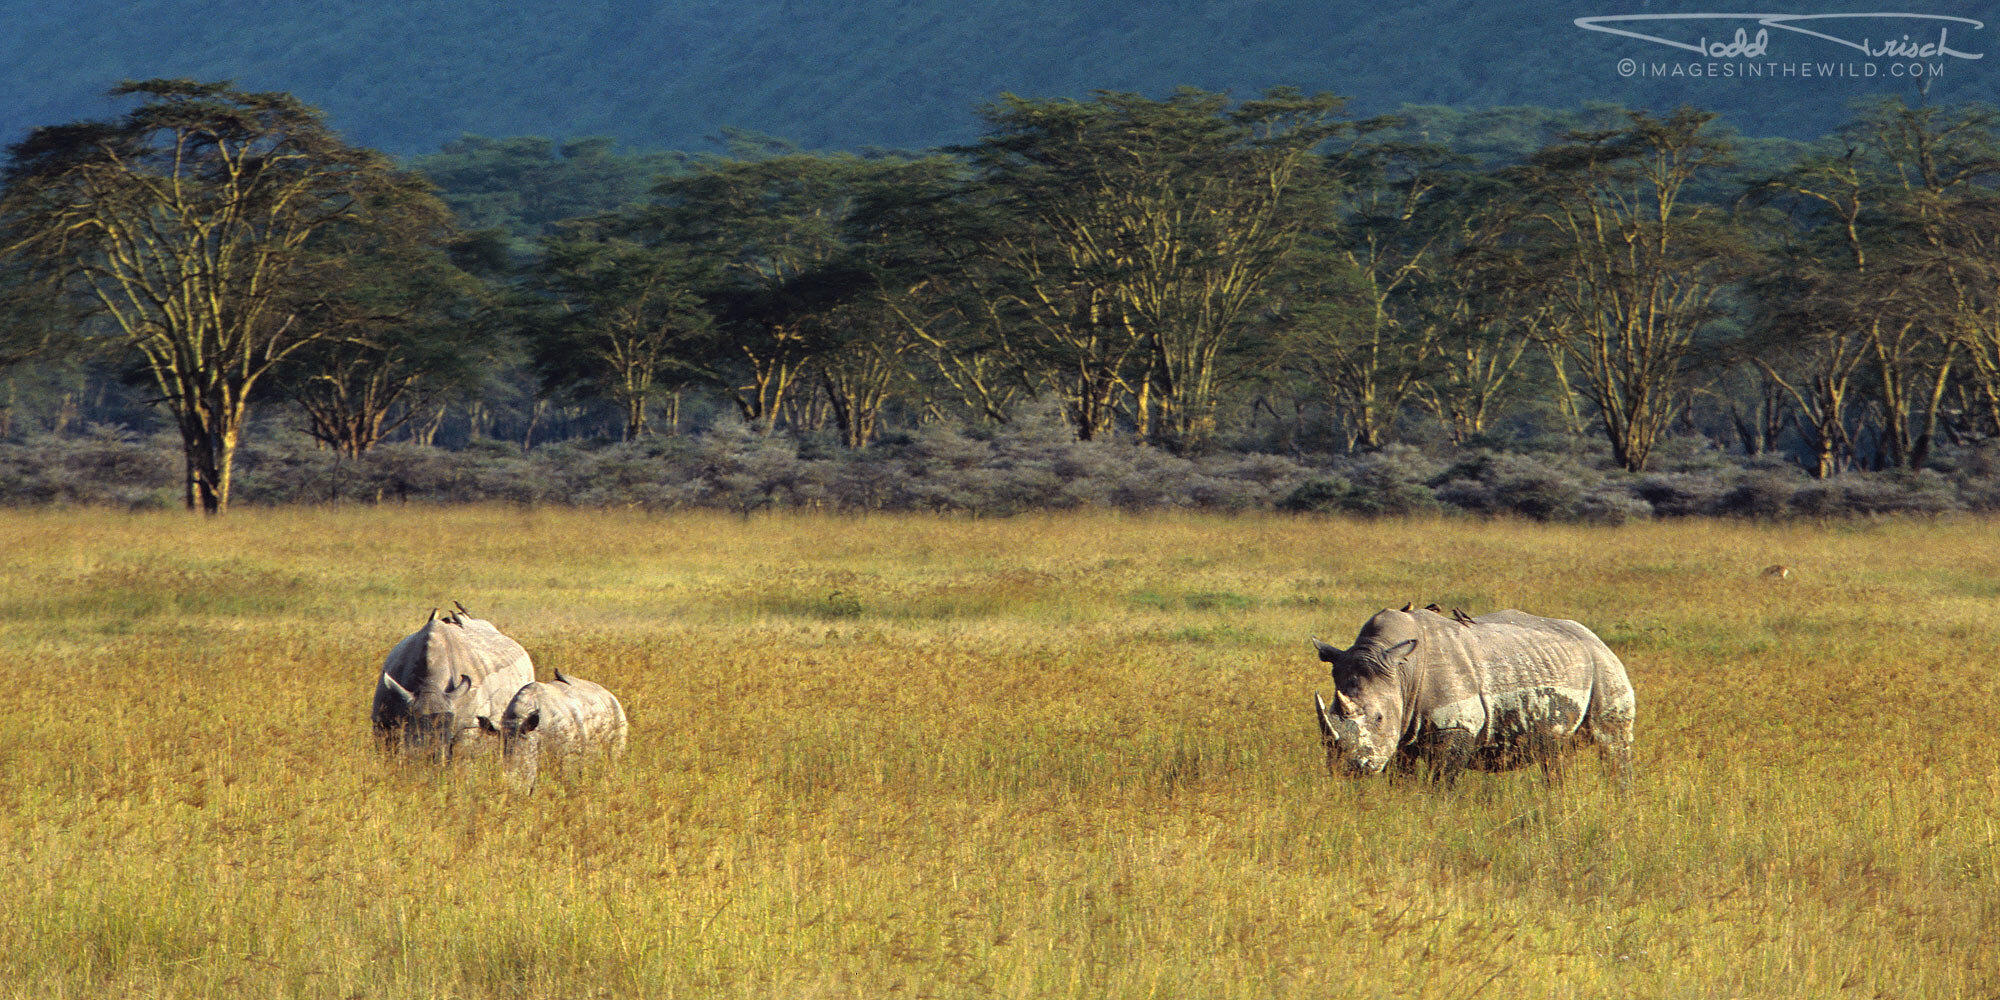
[[1039, 757]]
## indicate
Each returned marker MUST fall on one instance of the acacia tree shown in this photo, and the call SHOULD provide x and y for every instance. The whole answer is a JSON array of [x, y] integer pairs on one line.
[[1889, 283], [923, 233], [1375, 291], [622, 321], [189, 226], [1485, 326], [921, 318], [405, 327], [1940, 167], [1817, 305], [763, 228], [1631, 267], [1145, 235]]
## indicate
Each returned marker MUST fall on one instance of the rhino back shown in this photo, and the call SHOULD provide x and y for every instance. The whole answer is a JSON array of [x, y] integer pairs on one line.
[[1509, 662], [575, 713], [593, 714], [433, 656]]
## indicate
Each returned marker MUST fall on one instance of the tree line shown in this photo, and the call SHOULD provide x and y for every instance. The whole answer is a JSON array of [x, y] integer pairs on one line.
[[1191, 272]]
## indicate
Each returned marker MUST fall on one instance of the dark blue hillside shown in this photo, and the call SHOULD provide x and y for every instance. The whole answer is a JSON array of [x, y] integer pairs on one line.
[[408, 76]]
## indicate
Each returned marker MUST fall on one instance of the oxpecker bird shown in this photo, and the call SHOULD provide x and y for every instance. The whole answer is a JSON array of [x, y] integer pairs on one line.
[[1460, 617], [1433, 608]]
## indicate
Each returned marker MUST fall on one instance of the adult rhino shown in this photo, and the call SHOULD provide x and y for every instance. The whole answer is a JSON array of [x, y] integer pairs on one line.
[[441, 678], [1492, 693]]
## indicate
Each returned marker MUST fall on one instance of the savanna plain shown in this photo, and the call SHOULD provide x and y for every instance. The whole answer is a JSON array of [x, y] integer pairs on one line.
[[1044, 756]]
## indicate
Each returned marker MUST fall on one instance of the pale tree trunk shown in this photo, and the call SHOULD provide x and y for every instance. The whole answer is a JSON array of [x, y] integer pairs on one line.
[[635, 417], [425, 431], [209, 437], [535, 414]]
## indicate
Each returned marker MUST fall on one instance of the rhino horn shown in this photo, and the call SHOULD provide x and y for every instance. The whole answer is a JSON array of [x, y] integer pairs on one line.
[[399, 690], [1326, 652], [1319, 712], [1345, 706]]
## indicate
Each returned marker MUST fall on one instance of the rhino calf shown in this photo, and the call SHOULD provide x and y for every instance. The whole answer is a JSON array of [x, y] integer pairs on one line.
[[560, 718], [1492, 693]]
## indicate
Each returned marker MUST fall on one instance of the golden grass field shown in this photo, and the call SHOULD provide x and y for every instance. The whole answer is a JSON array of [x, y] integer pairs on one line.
[[1047, 756]]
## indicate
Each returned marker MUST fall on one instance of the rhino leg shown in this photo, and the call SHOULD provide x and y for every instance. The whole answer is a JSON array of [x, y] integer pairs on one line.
[[1555, 763], [1449, 751]]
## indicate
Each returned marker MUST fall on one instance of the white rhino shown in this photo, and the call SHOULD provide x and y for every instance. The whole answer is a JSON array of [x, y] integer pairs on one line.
[[1492, 693], [560, 718], [441, 678]]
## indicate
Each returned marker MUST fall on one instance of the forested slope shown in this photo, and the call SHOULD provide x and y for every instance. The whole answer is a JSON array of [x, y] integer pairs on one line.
[[903, 73]]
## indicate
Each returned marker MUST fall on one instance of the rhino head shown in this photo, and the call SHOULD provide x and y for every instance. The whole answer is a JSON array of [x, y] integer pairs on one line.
[[519, 730], [1363, 726], [431, 718]]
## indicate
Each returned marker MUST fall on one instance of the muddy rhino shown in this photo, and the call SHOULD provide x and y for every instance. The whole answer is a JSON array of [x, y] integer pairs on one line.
[[564, 717], [1492, 693], [441, 678]]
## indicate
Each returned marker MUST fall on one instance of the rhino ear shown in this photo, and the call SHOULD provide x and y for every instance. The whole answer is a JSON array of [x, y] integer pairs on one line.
[[1326, 652], [487, 725], [397, 689], [1400, 651], [464, 681], [532, 722]]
